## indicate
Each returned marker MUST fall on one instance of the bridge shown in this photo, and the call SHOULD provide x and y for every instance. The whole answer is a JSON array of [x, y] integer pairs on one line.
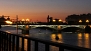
[[55, 28], [50, 26]]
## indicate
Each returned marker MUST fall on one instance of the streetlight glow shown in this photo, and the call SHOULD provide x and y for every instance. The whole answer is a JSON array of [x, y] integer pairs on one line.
[[23, 19], [27, 20], [54, 20], [80, 20], [8, 22], [60, 20], [87, 20]]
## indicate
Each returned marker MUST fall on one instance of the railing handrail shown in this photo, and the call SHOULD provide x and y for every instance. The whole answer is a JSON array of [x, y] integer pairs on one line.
[[69, 47], [65, 46]]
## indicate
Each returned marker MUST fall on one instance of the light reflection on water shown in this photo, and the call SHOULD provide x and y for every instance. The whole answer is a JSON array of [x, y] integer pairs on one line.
[[84, 40], [53, 38], [77, 39], [87, 42]]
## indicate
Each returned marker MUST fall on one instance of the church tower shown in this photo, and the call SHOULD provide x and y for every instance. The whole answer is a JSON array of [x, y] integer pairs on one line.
[[48, 19]]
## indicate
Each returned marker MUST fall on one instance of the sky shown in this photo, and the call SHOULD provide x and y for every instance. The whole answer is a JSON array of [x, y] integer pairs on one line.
[[38, 10]]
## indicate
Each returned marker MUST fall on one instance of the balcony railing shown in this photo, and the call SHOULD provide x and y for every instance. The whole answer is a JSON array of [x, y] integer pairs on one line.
[[10, 42]]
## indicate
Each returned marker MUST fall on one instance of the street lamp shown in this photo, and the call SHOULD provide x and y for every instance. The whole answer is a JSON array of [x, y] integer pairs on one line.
[[87, 20], [60, 20], [8, 22], [54, 20], [23, 19], [17, 23], [27, 20], [80, 21]]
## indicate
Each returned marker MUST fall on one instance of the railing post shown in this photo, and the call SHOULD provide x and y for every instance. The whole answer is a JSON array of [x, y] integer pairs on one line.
[[17, 43], [9, 42], [5, 41], [0, 40], [36, 45], [22, 43], [28, 45], [46, 47], [61, 49], [13, 42]]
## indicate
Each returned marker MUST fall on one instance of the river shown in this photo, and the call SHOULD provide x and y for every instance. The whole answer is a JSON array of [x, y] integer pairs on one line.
[[77, 39]]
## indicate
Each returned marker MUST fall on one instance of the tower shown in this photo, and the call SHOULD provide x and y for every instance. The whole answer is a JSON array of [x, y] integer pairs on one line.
[[48, 19]]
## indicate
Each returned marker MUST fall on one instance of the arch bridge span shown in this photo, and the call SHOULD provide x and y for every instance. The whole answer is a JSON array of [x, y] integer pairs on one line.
[[46, 26]]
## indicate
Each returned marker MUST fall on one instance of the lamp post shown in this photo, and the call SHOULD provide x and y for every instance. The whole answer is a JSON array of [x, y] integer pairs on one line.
[[60, 21], [87, 21], [54, 20], [27, 21], [17, 23], [80, 21], [8, 22]]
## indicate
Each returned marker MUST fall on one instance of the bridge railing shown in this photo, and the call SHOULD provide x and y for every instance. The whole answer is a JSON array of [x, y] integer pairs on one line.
[[10, 42]]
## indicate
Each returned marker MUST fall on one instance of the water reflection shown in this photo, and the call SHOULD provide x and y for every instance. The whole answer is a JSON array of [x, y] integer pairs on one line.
[[83, 40], [79, 36], [25, 42], [57, 38], [80, 39], [86, 41]]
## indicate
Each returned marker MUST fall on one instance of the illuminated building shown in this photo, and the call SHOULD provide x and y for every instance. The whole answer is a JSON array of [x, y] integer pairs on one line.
[[77, 19]]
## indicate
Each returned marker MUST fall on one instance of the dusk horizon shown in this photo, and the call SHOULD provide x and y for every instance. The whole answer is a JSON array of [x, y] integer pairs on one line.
[[38, 10]]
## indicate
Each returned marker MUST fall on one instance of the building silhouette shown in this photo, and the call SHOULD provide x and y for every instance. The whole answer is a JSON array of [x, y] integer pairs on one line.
[[2, 19], [79, 19], [50, 20]]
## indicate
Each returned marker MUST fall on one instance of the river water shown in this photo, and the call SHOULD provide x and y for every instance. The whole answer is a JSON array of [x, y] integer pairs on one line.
[[76, 39]]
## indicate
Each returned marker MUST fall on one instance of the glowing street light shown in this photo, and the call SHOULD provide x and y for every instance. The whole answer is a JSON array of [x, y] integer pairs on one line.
[[87, 20], [27, 20], [23, 19], [60, 20], [80, 21], [8, 22], [54, 20]]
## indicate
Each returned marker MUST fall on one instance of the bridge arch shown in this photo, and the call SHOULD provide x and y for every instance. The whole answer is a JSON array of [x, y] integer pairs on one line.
[[47, 28], [72, 29]]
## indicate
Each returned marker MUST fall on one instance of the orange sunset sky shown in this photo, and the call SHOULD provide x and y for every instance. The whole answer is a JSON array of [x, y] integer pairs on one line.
[[38, 10]]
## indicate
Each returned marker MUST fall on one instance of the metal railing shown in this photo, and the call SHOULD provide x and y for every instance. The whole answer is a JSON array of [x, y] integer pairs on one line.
[[10, 42]]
